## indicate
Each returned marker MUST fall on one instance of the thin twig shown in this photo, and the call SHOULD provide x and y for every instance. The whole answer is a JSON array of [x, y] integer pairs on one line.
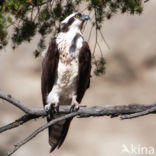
[[148, 111], [37, 13], [104, 39], [91, 18], [84, 26], [96, 34], [17, 122], [32, 11], [13, 23], [37, 131], [90, 33], [100, 49]]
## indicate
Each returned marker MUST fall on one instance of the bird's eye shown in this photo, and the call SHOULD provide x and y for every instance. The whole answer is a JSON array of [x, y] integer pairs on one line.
[[77, 16]]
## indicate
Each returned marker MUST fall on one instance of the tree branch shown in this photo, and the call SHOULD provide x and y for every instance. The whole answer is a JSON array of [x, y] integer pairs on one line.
[[10, 99], [148, 111], [124, 111], [36, 132], [17, 122]]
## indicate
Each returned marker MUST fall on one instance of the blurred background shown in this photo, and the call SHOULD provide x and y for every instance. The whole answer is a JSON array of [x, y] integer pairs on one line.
[[130, 78]]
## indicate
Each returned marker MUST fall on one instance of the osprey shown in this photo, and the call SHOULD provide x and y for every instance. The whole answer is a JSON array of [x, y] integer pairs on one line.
[[65, 73]]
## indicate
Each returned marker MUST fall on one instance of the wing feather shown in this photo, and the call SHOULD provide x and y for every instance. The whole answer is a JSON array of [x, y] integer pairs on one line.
[[84, 71], [49, 67]]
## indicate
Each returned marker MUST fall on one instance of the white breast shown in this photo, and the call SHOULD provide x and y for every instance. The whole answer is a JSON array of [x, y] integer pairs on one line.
[[65, 85], [67, 75]]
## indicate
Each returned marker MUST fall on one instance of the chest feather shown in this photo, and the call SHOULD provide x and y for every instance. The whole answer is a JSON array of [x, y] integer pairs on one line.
[[67, 71]]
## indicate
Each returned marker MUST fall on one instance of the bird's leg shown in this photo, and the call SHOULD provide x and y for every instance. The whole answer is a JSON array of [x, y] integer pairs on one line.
[[47, 107], [75, 105], [56, 107], [52, 107]]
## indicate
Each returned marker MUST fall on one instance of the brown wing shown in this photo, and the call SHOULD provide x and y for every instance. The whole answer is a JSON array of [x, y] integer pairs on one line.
[[49, 67], [84, 71], [57, 132]]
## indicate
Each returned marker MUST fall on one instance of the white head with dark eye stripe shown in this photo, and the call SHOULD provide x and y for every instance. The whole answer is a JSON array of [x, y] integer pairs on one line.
[[74, 21]]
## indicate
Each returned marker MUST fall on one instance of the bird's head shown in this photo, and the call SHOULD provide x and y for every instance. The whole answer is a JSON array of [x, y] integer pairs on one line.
[[74, 21]]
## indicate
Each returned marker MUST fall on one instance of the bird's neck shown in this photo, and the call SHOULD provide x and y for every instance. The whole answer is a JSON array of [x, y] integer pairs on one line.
[[74, 30], [65, 39]]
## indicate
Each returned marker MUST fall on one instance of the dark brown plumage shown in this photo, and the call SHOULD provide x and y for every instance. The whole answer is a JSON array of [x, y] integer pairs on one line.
[[49, 67], [84, 71]]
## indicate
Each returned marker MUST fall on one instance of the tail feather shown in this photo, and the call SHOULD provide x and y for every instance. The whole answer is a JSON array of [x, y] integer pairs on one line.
[[64, 133], [58, 133]]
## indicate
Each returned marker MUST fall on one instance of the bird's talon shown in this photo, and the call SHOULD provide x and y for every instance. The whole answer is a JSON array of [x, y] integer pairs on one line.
[[56, 108], [72, 108], [52, 108], [76, 108], [47, 108]]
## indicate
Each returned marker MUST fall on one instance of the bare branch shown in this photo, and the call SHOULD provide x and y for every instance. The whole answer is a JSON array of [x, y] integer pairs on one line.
[[106, 110], [148, 111], [36, 132], [104, 39], [17, 122], [21, 106], [90, 32], [96, 38], [13, 101], [124, 111], [100, 49]]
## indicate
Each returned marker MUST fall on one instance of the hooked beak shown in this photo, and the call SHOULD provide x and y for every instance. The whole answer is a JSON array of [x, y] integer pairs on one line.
[[84, 18]]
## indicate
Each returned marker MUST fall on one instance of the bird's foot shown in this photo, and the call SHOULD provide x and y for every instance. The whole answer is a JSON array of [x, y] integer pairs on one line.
[[52, 108], [75, 105]]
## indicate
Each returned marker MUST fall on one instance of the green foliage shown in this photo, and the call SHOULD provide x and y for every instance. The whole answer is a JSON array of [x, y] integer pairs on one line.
[[25, 32], [107, 8], [99, 66], [3, 32], [29, 17]]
